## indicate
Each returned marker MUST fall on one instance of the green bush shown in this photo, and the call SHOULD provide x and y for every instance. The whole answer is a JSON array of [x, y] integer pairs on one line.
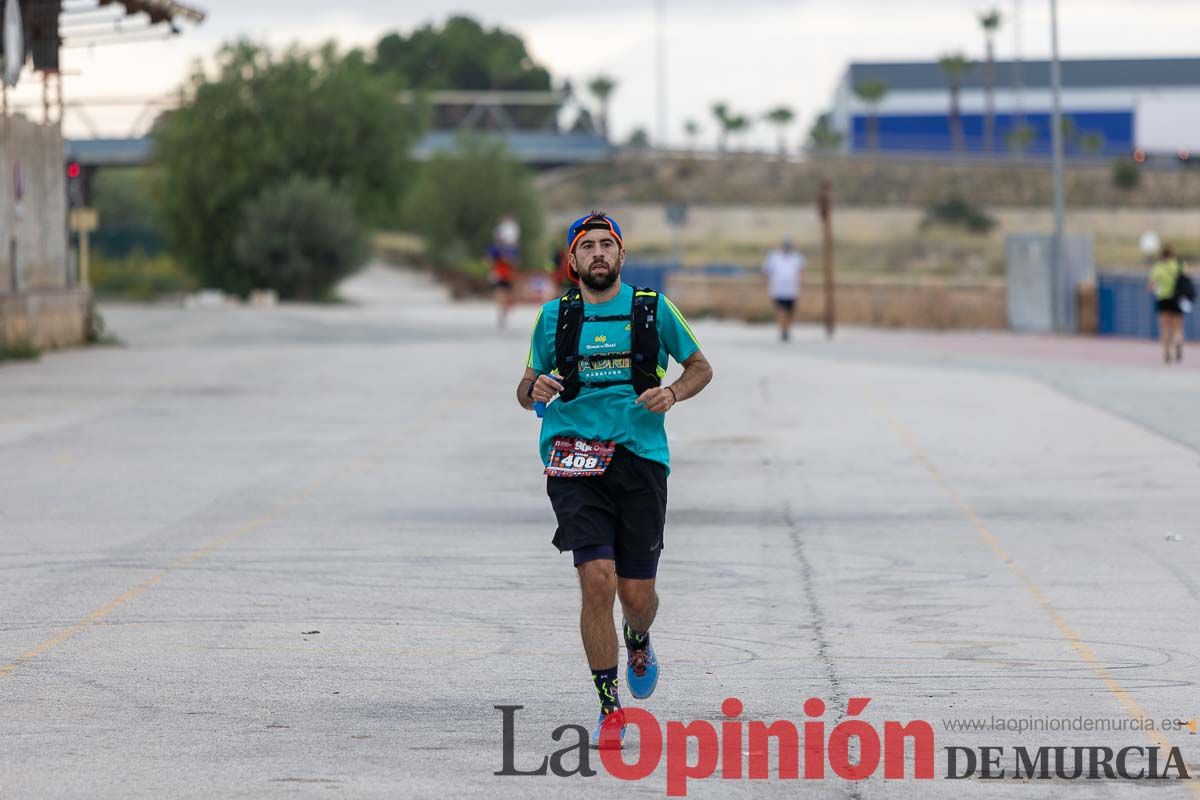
[[19, 350], [1020, 138], [129, 212], [262, 118], [461, 195], [957, 212], [1125, 174], [139, 277], [1091, 142], [300, 238], [95, 331]]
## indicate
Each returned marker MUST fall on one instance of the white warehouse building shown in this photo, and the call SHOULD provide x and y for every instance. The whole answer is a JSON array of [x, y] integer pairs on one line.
[[1113, 107]]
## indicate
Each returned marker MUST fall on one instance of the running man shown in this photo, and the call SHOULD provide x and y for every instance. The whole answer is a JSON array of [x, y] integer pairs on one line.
[[784, 266], [505, 254], [501, 278], [605, 447]]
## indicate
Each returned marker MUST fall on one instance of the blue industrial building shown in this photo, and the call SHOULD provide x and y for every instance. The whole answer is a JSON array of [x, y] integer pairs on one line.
[[1112, 106]]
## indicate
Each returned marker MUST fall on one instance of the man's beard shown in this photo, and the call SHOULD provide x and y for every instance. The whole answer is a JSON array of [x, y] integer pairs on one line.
[[598, 283]]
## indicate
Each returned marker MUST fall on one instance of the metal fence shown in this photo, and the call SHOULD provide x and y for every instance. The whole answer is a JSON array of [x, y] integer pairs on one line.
[[1126, 308]]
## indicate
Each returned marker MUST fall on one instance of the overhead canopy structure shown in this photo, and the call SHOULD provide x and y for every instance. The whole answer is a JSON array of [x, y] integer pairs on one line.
[[158, 10], [526, 122], [51, 24], [536, 148]]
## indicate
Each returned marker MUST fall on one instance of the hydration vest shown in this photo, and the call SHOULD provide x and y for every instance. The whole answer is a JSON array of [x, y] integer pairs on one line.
[[643, 345]]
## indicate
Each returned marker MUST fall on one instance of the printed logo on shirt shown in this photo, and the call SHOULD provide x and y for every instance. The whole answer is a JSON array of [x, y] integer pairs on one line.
[[597, 364]]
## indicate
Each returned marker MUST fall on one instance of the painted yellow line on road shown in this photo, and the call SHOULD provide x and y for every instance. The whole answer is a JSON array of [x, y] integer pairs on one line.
[[112, 605], [1081, 647], [361, 464]]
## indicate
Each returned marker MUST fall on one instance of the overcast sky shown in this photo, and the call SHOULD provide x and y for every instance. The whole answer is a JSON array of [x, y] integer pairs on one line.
[[753, 54]]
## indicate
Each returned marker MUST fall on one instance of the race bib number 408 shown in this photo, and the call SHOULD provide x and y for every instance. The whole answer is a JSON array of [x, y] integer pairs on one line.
[[579, 458]]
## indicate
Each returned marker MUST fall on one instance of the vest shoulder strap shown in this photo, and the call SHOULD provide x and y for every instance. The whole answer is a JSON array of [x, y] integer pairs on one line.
[[644, 341], [644, 345], [566, 341]]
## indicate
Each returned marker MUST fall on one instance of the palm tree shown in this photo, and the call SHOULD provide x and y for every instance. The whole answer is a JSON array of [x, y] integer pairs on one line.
[[991, 23], [956, 66], [602, 87], [1070, 132], [822, 138], [639, 139], [739, 123], [872, 94], [720, 112], [781, 117], [692, 129]]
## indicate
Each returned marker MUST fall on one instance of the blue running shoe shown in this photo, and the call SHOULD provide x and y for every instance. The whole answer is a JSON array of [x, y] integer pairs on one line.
[[641, 671], [605, 737]]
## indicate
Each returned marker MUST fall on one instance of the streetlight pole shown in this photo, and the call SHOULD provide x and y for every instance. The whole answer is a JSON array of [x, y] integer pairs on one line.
[[1018, 78], [1057, 284], [660, 69]]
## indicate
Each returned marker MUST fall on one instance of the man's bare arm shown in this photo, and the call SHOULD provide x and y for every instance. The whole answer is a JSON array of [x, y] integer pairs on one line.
[[544, 389], [697, 372], [523, 398]]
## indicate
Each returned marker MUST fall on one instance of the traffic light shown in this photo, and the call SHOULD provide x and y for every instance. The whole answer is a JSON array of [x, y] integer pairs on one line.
[[76, 190]]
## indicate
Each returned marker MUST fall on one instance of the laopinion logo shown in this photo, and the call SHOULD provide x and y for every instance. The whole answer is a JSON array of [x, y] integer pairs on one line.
[[720, 747], [853, 749]]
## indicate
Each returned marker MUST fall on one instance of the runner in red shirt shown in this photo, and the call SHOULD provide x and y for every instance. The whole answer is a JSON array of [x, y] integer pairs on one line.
[[501, 278]]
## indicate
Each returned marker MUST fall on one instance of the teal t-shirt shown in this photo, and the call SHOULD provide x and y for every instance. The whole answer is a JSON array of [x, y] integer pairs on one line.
[[609, 413]]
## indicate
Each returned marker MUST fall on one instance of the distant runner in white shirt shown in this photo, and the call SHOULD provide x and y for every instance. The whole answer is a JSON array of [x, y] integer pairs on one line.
[[508, 231], [783, 267]]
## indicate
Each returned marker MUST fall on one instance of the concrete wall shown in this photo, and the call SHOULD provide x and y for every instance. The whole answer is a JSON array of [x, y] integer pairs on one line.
[[879, 303], [764, 226], [757, 179], [45, 318], [38, 299]]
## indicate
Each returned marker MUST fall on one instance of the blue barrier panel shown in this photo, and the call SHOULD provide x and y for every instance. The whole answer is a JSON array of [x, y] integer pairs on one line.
[[931, 133], [648, 274], [1126, 308], [724, 269]]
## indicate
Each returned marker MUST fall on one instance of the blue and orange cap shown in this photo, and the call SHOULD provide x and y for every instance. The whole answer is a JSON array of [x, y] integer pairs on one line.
[[597, 220]]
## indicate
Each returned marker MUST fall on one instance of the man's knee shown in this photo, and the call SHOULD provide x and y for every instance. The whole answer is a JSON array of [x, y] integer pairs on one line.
[[637, 595], [598, 580]]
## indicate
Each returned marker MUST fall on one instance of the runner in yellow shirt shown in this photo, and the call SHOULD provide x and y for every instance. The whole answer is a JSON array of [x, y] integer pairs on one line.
[[1163, 277]]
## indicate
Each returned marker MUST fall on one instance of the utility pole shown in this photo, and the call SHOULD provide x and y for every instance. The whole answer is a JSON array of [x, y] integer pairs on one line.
[[825, 210], [1057, 283], [660, 69], [1018, 68]]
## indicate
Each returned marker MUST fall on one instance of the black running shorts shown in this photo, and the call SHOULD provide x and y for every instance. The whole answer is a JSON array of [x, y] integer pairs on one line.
[[625, 508]]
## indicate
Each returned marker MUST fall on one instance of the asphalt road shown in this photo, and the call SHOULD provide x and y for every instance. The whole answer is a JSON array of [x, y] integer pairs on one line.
[[306, 551]]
